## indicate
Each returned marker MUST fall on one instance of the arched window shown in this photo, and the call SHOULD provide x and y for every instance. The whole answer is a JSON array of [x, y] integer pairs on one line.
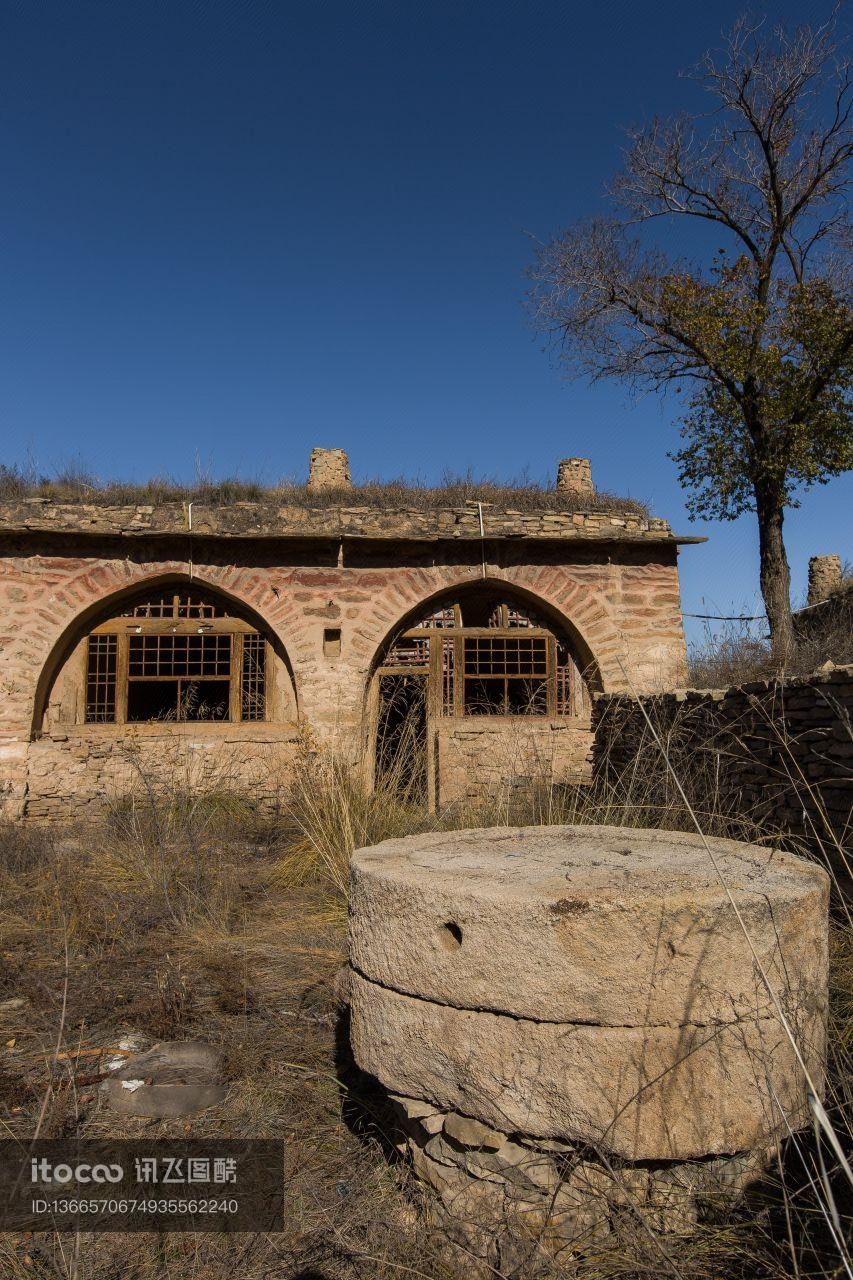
[[488, 654], [178, 655]]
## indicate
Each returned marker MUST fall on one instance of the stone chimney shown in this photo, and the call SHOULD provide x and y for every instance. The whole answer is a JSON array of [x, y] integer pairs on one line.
[[329, 469], [574, 475], [824, 577]]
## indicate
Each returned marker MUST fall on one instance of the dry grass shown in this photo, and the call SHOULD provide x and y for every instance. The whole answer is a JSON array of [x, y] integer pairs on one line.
[[184, 915], [739, 654], [523, 494]]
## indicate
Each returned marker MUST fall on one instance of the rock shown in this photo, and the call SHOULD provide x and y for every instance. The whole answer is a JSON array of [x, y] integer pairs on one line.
[[175, 1078], [441, 1177], [14, 1004], [418, 1117], [133, 1042], [472, 1133], [604, 925], [552, 1145], [645, 1093], [415, 1108], [512, 1153], [543, 1174]]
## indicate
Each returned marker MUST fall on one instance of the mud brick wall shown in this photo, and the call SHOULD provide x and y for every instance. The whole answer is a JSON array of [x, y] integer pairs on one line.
[[780, 753]]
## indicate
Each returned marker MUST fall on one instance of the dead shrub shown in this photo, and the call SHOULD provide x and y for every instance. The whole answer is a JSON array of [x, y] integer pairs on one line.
[[736, 655]]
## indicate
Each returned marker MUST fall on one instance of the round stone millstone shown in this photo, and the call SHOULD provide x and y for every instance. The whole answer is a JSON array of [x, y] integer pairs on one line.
[[591, 984], [644, 1093], [605, 925]]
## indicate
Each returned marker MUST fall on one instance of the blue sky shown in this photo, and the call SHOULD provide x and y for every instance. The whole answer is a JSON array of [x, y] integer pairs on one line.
[[229, 232]]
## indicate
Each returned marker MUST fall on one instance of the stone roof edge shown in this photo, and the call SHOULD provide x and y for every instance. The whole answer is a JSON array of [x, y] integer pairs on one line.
[[260, 521], [828, 673]]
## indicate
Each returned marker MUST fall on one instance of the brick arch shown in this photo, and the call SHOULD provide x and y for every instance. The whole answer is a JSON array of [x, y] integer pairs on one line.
[[571, 605], [99, 592]]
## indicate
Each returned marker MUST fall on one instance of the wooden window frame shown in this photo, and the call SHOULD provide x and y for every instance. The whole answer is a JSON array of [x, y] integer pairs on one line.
[[440, 638], [125, 626]]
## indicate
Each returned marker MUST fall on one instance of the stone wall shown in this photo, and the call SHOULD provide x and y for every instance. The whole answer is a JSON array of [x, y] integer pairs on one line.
[[71, 775], [778, 753], [481, 758], [271, 519]]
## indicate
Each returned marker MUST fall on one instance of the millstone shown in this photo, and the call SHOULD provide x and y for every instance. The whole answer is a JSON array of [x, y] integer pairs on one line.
[[591, 984], [644, 1093], [603, 925], [174, 1078]]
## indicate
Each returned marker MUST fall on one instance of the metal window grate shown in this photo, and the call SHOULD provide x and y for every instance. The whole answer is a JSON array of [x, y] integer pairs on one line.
[[253, 704], [170, 656], [101, 680]]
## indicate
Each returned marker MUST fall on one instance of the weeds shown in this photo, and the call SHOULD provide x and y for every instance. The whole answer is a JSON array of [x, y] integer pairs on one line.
[[186, 912], [335, 811], [77, 485], [738, 654]]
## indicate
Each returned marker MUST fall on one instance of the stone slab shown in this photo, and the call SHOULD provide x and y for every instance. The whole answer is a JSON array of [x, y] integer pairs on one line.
[[605, 925], [173, 1078], [643, 1093]]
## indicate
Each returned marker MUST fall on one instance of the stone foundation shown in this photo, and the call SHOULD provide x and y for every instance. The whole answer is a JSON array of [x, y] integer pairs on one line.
[[491, 1186], [481, 758], [77, 774]]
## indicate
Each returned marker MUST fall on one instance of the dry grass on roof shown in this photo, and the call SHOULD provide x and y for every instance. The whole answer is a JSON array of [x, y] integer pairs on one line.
[[521, 494]]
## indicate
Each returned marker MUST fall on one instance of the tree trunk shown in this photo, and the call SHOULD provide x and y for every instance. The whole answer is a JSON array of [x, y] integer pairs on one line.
[[775, 573]]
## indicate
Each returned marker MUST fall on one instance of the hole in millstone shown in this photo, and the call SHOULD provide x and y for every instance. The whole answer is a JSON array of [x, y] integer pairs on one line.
[[450, 935]]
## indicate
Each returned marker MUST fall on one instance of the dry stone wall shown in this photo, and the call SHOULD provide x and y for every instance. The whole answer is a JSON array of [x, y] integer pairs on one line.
[[780, 753]]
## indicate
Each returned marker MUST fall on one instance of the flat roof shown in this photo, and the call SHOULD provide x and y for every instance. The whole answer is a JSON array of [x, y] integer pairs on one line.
[[266, 520]]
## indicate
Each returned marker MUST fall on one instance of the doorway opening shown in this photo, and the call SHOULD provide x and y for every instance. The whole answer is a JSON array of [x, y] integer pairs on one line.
[[401, 735]]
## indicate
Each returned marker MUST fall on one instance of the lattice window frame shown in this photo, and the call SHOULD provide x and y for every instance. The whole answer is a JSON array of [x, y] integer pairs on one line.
[[440, 652], [182, 620]]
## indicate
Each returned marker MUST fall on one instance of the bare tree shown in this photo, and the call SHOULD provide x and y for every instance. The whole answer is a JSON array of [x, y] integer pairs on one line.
[[761, 334]]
